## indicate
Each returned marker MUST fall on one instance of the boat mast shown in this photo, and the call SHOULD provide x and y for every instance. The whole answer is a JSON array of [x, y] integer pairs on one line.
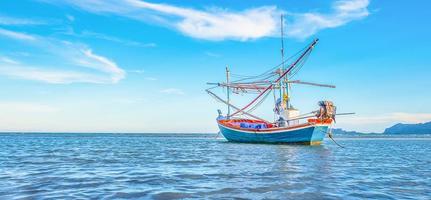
[[282, 57], [228, 92], [286, 84]]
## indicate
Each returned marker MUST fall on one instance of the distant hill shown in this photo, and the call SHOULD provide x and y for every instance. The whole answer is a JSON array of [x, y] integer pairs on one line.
[[397, 129], [339, 131], [421, 128]]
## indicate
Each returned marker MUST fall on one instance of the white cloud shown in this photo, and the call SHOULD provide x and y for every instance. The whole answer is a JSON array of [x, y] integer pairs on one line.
[[8, 60], [50, 76], [16, 35], [137, 71], [12, 21], [304, 25], [70, 18], [174, 91], [211, 54], [151, 44], [221, 24], [103, 64], [141, 71], [77, 55], [91, 34], [216, 24]]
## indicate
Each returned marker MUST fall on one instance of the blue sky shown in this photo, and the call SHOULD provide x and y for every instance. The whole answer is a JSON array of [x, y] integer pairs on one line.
[[138, 66]]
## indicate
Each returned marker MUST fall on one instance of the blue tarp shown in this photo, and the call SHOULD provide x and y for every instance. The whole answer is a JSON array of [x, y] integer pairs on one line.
[[252, 125]]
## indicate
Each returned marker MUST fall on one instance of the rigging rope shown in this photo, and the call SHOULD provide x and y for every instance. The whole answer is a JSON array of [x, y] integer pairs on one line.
[[309, 48], [300, 65], [258, 103], [271, 71], [234, 107], [332, 138]]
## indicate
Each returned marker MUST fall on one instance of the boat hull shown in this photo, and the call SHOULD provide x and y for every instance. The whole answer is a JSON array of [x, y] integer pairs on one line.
[[308, 135]]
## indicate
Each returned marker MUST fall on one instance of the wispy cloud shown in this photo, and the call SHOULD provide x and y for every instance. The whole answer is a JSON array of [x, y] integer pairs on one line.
[[137, 71], [142, 72], [49, 76], [8, 60], [214, 24], [71, 18], [211, 54], [103, 64], [100, 36], [151, 44], [77, 55], [13, 21], [91, 34], [16, 35], [174, 91], [304, 25], [221, 24]]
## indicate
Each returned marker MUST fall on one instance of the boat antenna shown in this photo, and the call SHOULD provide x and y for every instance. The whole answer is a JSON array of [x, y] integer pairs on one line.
[[228, 92]]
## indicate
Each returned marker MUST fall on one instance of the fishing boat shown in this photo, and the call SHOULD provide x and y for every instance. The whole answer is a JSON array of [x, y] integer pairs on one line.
[[288, 125]]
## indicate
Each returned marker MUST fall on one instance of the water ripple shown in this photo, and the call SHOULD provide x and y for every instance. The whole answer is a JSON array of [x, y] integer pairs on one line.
[[143, 166]]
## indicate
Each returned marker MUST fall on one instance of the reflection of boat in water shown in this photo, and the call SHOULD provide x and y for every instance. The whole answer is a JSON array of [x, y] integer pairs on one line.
[[288, 125]]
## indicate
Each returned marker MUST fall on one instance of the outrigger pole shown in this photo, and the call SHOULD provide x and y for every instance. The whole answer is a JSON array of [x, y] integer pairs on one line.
[[310, 47], [245, 86]]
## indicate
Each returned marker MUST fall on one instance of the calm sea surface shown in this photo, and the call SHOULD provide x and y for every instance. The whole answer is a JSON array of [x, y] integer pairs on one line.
[[170, 166]]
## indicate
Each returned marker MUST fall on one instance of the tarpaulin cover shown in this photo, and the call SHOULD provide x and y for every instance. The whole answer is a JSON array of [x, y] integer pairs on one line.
[[252, 125]]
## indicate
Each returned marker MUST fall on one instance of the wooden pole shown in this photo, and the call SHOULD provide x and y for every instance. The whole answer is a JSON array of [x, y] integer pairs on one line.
[[286, 84], [282, 57], [228, 92]]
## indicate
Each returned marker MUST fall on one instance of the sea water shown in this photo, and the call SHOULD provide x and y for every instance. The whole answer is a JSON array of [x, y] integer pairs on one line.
[[177, 166]]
